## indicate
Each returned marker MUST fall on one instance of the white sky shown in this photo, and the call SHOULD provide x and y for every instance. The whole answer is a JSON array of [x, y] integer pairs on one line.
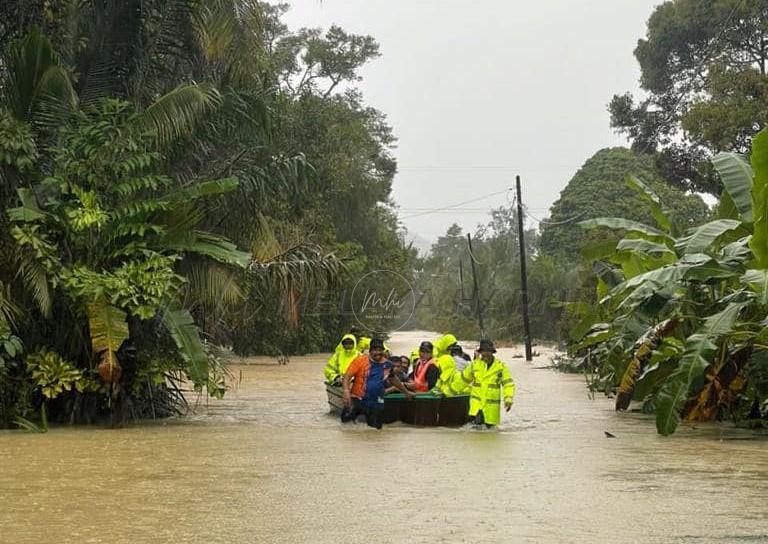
[[478, 91]]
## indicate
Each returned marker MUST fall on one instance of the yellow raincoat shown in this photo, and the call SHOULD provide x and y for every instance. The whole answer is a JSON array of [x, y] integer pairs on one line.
[[489, 385], [448, 385], [340, 360], [363, 344]]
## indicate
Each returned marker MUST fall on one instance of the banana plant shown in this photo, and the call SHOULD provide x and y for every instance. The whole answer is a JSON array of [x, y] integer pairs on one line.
[[710, 281]]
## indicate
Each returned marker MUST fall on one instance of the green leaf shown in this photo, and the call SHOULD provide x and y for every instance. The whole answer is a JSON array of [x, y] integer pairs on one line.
[[759, 242], [186, 336], [653, 201], [598, 250], [175, 114], [199, 190], [736, 175], [209, 245], [36, 79], [709, 271], [645, 247], [702, 238], [666, 275], [29, 211], [108, 326], [757, 281], [698, 351], [726, 209], [617, 223], [600, 333]]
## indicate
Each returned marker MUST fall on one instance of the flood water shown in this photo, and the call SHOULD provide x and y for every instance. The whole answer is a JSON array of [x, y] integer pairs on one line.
[[268, 464]]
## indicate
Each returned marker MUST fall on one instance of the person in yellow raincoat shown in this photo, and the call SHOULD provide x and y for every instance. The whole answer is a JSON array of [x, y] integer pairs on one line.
[[343, 355], [448, 384], [490, 383], [363, 344]]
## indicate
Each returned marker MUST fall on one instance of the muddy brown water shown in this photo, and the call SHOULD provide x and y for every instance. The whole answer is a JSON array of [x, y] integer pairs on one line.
[[267, 464]]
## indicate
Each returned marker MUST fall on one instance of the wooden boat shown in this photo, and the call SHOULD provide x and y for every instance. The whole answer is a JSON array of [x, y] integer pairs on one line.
[[425, 409]]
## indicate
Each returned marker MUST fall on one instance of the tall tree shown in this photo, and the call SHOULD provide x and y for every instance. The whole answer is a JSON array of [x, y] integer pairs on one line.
[[703, 66]]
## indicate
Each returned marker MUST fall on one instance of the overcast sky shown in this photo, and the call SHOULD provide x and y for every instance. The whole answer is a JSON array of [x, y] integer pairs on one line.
[[478, 91]]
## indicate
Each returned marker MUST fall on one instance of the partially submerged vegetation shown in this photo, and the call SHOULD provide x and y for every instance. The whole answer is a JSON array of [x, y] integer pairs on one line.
[[680, 324], [175, 176]]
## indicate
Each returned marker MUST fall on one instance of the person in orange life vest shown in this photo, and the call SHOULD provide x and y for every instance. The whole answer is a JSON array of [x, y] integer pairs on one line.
[[425, 372], [364, 383]]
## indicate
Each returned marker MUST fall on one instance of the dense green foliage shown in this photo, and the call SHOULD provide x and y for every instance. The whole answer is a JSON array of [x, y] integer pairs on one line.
[[174, 176], [681, 321], [598, 190], [703, 66]]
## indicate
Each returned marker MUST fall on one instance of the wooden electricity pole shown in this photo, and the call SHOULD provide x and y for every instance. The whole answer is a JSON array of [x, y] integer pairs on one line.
[[523, 274]]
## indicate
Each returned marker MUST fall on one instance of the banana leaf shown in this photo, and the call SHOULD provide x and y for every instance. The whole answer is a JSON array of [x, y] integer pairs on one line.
[[653, 201], [109, 329], [617, 223], [736, 175], [759, 241], [645, 247], [697, 356], [702, 238], [757, 281]]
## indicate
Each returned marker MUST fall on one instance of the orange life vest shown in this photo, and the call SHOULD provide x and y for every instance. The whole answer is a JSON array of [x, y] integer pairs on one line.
[[420, 375]]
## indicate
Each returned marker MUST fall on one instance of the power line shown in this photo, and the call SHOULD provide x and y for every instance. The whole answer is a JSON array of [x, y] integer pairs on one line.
[[457, 205], [526, 213]]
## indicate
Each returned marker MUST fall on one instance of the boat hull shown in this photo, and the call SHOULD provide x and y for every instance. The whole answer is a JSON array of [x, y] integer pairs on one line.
[[425, 409]]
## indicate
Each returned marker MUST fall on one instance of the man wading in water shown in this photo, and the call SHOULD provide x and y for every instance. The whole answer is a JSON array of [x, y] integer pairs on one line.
[[364, 384]]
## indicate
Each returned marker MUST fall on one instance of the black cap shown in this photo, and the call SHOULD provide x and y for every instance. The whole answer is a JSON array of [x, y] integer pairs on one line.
[[456, 349], [377, 343], [486, 345], [426, 346]]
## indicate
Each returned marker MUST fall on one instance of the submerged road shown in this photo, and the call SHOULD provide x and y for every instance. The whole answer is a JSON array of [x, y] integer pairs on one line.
[[268, 464]]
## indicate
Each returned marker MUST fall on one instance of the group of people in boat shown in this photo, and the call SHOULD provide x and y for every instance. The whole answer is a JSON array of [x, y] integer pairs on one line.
[[366, 370]]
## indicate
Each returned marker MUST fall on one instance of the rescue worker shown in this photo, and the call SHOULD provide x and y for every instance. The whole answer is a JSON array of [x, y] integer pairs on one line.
[[342, 356], [364, 385], [447, 385], [425, 372], [490, 383], [363, 341]]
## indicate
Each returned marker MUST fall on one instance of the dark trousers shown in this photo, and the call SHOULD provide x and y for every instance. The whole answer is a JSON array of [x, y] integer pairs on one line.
[[374, 417], [480, 420]]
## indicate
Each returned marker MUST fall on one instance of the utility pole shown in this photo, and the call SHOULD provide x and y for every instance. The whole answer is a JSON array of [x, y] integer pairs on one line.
[[478, 307], [523, 274]]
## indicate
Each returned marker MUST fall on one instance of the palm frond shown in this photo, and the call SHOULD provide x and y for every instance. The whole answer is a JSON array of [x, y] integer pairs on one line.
[[213, 285], [175, 114], [210, 245], [34, 278], [35, 74]]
